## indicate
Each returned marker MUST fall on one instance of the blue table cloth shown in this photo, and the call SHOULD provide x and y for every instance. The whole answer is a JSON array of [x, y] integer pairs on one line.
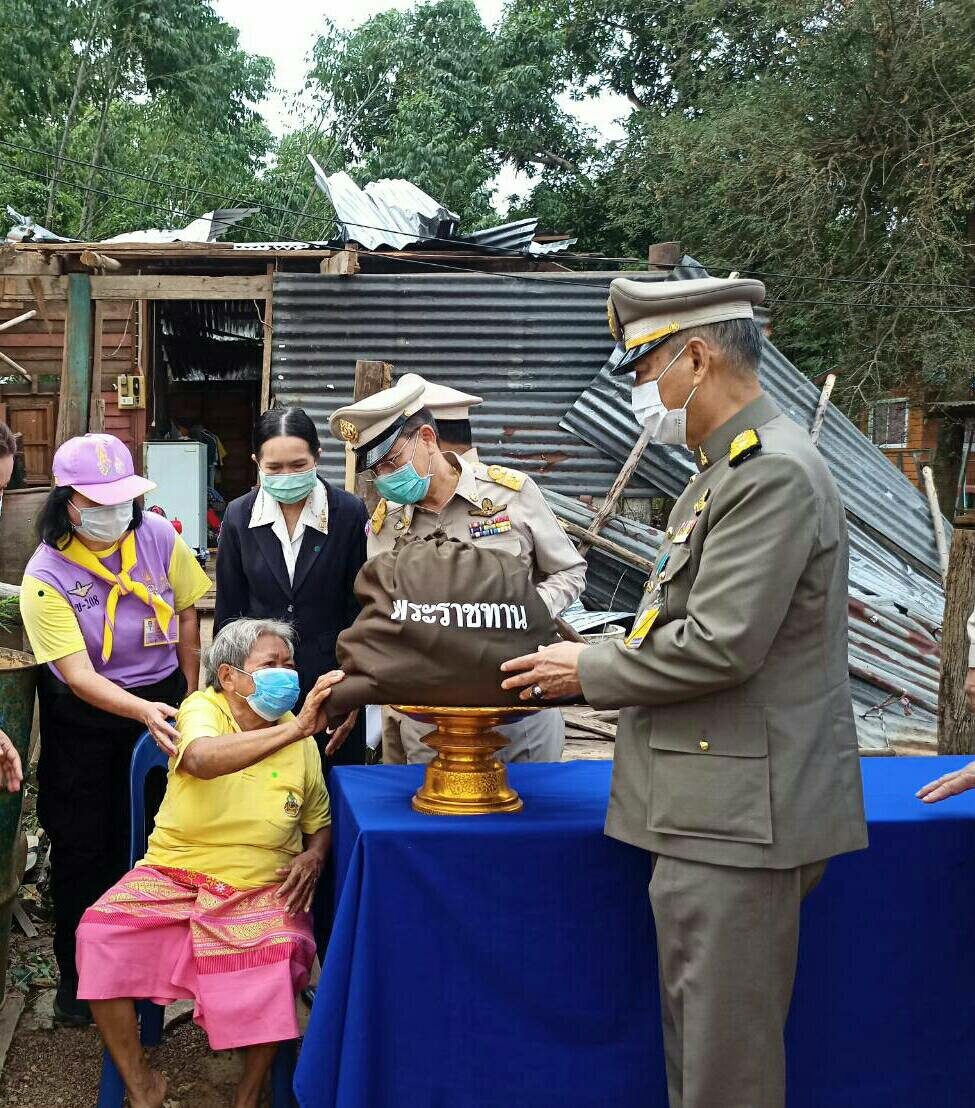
[[509, 960]]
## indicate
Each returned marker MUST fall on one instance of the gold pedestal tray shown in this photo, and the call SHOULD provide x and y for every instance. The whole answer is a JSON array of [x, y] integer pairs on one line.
[[465, 779]]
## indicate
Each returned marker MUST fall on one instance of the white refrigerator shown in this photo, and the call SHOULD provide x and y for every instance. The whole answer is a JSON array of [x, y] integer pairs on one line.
[[179, 470]]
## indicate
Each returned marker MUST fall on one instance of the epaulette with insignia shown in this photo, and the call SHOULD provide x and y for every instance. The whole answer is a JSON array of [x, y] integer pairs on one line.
[[509, 478], [378, 517], [744, 446]]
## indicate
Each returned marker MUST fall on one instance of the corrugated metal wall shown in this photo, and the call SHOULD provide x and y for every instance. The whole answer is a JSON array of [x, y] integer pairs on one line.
[[528, 347]]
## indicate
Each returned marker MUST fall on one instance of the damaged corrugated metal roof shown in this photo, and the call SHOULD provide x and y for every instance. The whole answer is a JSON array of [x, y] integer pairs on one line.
[[874, 492], [395, 213], [529, 347], [893, 649]]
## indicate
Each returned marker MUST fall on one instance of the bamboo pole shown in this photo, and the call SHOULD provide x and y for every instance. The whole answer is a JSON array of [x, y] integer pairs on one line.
[[18, 319]]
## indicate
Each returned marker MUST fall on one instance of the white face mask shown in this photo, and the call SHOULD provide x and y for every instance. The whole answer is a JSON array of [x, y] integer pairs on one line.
[[104, 524], [667, 426]]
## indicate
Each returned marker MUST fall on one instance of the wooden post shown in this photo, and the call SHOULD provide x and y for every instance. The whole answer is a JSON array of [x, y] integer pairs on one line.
[[616, 492], [76, 367], [268, 335], [370, 377], [96, 405], [664, 255], [937, 520], [956, 724], [343, 263], [820, 416]]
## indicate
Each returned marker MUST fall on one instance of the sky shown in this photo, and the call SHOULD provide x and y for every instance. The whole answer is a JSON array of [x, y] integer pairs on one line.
[[285, 30]]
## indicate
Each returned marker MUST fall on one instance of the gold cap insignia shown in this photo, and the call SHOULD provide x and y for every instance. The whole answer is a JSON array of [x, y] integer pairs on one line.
[[349, 432]]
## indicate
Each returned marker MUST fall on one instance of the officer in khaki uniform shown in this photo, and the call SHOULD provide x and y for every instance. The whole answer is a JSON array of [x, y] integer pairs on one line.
[[394, 437], [736, 756]]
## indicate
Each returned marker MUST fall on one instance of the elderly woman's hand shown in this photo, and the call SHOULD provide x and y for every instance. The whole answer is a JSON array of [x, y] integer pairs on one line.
[[311, 718], [11, 771], [300, 879]]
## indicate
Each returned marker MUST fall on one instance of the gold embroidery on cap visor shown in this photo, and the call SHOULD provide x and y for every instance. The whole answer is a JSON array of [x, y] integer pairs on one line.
[[349, 432], [651, 336]]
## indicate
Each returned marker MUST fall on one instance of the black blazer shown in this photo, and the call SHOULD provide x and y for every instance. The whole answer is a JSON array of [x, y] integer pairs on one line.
[[252, 579]]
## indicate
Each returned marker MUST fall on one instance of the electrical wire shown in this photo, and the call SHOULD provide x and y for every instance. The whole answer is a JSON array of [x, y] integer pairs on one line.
[[395, 257]]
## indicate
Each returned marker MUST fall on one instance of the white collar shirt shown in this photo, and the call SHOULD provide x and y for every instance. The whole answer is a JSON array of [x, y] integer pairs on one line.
[[314, 514]]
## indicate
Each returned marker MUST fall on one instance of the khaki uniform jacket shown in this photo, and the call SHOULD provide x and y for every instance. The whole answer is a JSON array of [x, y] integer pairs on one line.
[[737, 744], [503, 510]]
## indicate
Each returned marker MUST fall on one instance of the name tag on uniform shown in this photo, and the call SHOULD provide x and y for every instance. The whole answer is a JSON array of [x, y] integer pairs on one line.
[[154, 635], [642, 628]]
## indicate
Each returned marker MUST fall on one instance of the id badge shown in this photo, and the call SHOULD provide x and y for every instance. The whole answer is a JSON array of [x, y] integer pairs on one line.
[[642, 628], [154, 635]]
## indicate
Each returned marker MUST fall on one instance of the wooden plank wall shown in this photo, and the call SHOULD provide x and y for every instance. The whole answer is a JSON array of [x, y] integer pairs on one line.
[[38, 345]]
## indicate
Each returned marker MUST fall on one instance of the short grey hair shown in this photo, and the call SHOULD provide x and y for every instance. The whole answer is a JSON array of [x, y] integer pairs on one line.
[[740, 340], [234, 642], [422, 418]]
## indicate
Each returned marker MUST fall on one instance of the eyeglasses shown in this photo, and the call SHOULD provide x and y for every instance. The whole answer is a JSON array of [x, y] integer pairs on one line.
[[391, 462]]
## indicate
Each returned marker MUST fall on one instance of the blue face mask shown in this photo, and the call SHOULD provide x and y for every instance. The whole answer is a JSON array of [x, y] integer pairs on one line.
[[404, 485], [276, 691], [289, 488]]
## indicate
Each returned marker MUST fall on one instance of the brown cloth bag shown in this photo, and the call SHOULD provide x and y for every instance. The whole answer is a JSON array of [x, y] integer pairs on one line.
[[438, 618]]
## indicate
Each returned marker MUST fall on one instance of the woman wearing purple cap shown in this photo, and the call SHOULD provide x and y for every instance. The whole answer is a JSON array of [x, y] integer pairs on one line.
[[108, 603]]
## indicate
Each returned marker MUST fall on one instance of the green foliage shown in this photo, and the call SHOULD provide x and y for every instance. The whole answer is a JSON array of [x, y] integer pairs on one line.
[[825, 139], [433, 96]]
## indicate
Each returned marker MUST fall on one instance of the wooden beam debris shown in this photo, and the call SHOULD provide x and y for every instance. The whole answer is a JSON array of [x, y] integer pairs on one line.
[[93, 260], [937, 520], [821, 407], [615, 494], [343, 263]]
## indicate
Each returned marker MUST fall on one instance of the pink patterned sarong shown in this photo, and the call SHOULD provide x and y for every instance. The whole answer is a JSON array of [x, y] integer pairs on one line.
[[166, 935]]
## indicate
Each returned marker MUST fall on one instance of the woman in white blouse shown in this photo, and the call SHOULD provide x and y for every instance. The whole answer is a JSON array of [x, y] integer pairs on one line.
[[290, 550]]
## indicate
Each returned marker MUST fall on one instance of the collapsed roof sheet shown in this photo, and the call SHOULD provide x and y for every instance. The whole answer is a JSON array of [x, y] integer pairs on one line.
[[874, 492]]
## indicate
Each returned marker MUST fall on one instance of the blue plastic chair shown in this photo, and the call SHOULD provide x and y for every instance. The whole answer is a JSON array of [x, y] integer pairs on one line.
[[146, 757]]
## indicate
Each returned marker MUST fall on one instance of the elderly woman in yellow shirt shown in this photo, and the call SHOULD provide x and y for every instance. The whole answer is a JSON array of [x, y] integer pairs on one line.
[[218, 909]]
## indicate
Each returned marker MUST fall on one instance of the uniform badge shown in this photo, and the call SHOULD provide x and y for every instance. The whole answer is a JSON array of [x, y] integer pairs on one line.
[[641, 628], [81, 590], [683, 533], [291, 805], [487, 508], [349, 432], [378, 517], [702, 457], [744, 446], [506, 477], [702, 502], [488, 527]]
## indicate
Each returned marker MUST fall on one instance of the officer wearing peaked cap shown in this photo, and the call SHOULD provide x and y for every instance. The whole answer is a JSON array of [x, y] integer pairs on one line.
[[394, 437], [736, 755]]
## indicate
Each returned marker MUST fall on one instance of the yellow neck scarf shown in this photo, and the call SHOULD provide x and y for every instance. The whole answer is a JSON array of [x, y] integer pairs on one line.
[[122, 585]]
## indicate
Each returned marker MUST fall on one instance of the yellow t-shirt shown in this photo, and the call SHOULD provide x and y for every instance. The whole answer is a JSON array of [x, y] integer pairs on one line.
[[241, 827], [52, 626]]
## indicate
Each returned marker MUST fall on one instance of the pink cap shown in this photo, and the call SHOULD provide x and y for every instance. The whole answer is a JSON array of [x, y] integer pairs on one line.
[[99, 467]]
